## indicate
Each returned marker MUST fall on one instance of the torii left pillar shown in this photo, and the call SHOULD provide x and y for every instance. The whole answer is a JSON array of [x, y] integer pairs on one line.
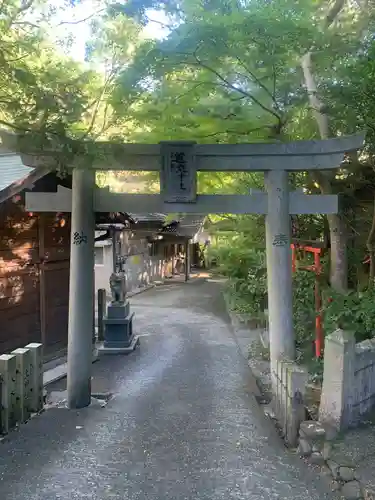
[[279, 268], [81, 288]]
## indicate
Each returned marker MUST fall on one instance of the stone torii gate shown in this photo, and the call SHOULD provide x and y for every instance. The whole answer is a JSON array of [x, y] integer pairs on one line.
[[178, 163]]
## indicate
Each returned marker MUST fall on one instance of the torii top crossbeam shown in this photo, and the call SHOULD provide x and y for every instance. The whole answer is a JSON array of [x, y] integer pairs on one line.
[[299, 155]]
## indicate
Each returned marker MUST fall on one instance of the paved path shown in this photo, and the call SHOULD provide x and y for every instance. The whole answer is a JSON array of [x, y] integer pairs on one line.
[[182, 425]]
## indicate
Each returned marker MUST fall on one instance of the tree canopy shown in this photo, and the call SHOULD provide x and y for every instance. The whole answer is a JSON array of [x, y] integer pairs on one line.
[[226, 71]]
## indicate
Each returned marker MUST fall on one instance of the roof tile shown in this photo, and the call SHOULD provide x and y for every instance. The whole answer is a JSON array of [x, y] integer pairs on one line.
[[12, 170]]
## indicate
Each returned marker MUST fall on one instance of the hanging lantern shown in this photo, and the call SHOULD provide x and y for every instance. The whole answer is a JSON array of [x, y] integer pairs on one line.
[[60, 220]]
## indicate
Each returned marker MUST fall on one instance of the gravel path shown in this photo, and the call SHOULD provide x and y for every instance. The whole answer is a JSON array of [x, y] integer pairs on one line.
[[182, 424]]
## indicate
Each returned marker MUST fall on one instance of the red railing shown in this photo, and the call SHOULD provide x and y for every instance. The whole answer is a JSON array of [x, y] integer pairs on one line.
[[317, 269]]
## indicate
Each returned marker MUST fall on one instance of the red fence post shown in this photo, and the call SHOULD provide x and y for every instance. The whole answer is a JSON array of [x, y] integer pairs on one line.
[[319, 339]]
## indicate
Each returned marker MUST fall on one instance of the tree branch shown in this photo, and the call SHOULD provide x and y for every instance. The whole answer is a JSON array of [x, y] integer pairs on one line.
[[81, 20], [254, 77], [163, 25], [234, 132], [236, 89], [334, 12], [98, 102]]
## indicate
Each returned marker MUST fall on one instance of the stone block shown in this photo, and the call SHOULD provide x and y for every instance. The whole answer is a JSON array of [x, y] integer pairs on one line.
[[8, 372], [316, 458], [277, 391], [351, 490], [368, 493], [118, 311], [330, 432], [296, 387], [334, 468], [36, 376], [327, 449], [118, 332], [304, 448], [23, 385], [335, 485], [325, 472], [314, 433], [338, 379], [289, 385], [265, 338], [135, 342], [346, 474], [281, 394], [312, 430]]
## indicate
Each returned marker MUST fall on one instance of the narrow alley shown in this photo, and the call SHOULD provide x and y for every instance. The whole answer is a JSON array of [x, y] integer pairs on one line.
[[182, 423]]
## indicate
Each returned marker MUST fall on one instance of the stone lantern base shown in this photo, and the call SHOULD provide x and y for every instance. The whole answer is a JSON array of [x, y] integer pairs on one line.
[[118, 330]]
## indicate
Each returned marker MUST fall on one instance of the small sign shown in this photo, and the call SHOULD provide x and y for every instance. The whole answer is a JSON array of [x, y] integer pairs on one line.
[[178, 176]]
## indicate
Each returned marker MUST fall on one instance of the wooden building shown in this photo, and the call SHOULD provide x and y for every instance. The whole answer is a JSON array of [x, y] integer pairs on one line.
[[34, 264], [35, 254]]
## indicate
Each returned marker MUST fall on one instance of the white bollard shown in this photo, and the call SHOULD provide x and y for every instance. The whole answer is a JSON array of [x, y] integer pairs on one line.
[[36, 376], [8, 369], [23, 384]]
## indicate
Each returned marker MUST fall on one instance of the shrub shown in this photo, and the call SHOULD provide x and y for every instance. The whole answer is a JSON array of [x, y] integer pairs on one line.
[[354, 311]]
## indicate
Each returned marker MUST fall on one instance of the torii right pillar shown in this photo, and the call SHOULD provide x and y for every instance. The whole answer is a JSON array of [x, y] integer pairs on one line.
[[279, 268]]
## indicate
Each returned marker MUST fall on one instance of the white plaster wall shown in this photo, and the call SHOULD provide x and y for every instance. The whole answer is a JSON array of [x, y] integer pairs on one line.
[[103, 271], [140, 268]]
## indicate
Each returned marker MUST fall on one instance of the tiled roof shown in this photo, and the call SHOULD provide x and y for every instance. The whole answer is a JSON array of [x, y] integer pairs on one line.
[[151, 217], [190, 225], [12, 169]]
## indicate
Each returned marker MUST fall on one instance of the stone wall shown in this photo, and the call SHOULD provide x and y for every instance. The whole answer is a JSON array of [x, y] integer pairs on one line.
[[348, 391]]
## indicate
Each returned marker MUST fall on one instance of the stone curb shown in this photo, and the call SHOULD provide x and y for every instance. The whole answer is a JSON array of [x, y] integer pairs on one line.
[[315, 446], [60, 371]]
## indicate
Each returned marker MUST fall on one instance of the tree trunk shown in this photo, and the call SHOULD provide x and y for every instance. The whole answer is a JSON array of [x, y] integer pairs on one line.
[[337, 229], [338, 236], [371, 249], [339, 254]]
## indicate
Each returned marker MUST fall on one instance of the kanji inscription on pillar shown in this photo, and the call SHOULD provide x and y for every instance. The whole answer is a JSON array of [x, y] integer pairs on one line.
[[178, 175], [79, 238], [280, 240]]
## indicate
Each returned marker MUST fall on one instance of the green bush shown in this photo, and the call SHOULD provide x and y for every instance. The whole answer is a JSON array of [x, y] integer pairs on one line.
[[354, 311], [245, 266], [304, 307], [247, 287], [247, 284]]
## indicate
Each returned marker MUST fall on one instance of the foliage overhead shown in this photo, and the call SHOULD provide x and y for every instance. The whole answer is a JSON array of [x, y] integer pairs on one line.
[[228, 71]]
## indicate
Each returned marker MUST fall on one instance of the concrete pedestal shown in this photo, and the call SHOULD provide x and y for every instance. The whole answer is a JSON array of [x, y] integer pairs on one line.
[[118, 330]]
